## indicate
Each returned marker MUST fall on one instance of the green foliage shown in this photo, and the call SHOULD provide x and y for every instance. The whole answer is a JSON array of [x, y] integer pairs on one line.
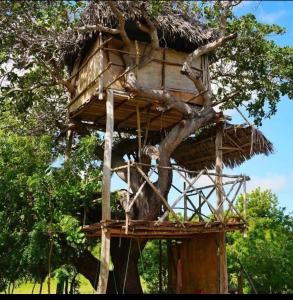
[[252, 65], [266, 249], [38, 201], [149, 266]]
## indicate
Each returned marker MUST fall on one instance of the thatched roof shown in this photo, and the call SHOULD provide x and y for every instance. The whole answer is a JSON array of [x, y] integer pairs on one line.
[[240, 143], [176, 30]]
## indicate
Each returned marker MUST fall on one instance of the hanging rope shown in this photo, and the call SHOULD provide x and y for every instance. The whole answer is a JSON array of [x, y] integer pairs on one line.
[[127, 263], [140, 254], [95, 282], [248, 276], [115, 284]]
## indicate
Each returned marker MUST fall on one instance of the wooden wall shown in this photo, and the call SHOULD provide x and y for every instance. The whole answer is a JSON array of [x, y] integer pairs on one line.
[[194, 265], [163, 72]]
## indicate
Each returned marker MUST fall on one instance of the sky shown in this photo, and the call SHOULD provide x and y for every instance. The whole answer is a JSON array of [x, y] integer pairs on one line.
[[275, 171]]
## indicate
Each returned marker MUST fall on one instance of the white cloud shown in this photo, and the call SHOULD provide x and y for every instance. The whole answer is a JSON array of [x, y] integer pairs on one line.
[[272, 17], [275, 182]]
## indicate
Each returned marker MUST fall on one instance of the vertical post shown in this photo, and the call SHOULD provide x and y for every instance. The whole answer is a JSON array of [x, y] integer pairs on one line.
[[244, 205], [223, 280], [244, 198], [160, 267], [101, 66], [139, 132], [185, 202], [128, 197], [199, 208], [219, 171], [240, 281], [106, 211]]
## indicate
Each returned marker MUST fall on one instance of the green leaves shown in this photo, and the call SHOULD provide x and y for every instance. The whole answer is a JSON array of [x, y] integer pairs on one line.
[[266, 249], [71, 227], [39, 203]]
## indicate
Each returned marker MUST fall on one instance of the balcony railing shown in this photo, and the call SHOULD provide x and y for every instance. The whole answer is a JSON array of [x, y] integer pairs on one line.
[[202, 196]]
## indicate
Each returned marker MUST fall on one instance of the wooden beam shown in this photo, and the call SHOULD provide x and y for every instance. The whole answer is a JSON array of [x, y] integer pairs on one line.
[[91, 84], [164, 201], [99, 118], [106, 194], [183, 193], [127, 118]]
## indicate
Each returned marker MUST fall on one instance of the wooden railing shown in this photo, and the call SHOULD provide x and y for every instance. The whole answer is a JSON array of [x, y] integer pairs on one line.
[[194, 201]]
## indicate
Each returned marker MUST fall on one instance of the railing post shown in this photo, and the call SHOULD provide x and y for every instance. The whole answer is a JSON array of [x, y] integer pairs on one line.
[[185, 202], [244, 199], [106, 195]]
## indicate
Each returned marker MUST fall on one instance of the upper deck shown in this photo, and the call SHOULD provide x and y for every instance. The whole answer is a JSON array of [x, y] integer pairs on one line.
[[103, 68]]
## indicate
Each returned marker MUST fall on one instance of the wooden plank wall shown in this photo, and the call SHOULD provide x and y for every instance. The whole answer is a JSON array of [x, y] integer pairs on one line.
[[194, 265], [154, 75]]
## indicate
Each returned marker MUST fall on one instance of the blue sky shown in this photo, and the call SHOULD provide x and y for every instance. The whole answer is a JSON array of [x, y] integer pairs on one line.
[[273, 172]]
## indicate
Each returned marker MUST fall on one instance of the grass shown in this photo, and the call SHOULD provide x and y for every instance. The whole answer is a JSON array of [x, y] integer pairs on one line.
[[85, 287], [27, 287]]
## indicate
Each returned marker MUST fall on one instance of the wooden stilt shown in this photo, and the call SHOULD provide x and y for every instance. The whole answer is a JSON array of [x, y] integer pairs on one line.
[[106, 211], [219, 171], [223, 275]]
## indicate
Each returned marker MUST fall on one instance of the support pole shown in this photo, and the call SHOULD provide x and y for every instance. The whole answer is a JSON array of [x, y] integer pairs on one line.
[[244, 199], [223, 275], [219, 171], [138, 132], [185, 202], [106, 210], [128, 198]]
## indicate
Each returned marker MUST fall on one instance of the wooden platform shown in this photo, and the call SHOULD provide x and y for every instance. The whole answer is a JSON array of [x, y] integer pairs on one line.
[[165, 230], [125, 114]]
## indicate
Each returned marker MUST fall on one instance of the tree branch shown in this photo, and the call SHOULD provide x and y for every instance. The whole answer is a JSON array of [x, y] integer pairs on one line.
[[121, 21], [186, 68], [90, 28]]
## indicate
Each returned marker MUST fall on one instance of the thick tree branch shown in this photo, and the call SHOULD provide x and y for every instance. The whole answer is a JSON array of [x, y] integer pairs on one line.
[[186, 68], [90, 28], [173, 139], [121, 21]]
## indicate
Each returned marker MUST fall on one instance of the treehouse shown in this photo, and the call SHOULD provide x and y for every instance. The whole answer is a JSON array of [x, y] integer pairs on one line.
[[100, 65], [149, 78]]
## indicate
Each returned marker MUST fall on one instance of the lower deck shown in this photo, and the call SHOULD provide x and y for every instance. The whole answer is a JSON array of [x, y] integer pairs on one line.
[[162, 230]]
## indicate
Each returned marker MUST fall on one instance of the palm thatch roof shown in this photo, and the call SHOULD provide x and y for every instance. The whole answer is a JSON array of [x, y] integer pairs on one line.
[[176, 30], [240, 143]]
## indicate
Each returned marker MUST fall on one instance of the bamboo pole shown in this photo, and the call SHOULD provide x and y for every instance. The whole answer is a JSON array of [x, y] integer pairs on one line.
[[219, 171], [101, 64], [223, 273], [164, 201], [128, 197], [185, 202], [190, 184], [138, 132], [106, 210]]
